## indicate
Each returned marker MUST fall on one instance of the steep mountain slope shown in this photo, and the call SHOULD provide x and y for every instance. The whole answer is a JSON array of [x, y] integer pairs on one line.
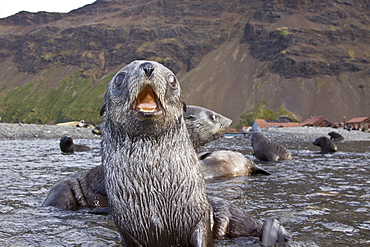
[[313, 58]]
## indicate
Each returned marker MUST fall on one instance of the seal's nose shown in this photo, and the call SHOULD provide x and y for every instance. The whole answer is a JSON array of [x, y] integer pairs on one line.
[[148, 69]]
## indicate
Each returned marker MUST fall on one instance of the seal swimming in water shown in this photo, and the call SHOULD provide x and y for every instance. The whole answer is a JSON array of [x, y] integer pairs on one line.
[[151, 169], [225, 163], [67, 146], [326, 145], [336, 137], [264, 149]]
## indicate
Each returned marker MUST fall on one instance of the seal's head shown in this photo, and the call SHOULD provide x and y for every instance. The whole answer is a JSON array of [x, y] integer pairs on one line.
[[256, 136], [66, 144], [143, 91], [205, 125]]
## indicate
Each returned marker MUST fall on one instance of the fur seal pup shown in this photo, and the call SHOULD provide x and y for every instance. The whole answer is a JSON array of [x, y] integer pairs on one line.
[[225, 163], [229, 220], [327, 145], [153, 178], [67, 146], [336, 137], [264, 149], [205, 125]]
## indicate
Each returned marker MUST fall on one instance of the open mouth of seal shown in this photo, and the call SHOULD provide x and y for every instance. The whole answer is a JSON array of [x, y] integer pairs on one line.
[[147, 103]]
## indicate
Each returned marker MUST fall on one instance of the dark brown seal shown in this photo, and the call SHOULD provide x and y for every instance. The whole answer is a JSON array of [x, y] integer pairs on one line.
[[265, 149], [67, 146], [83, 189], [225, 163], [336, 137], [153, 178], [233, 222], [326, 145]]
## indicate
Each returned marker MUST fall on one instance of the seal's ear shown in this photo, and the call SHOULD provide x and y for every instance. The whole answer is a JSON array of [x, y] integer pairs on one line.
[[102, 110], [204, 155], [183, 106]]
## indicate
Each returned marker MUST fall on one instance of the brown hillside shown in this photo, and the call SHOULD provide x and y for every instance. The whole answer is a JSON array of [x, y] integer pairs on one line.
[[310, 56]]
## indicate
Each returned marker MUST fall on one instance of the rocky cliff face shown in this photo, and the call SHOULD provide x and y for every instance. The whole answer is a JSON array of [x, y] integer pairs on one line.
[[229, 55]]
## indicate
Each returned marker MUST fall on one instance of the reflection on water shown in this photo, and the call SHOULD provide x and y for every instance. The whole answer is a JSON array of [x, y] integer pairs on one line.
[[323, 200]]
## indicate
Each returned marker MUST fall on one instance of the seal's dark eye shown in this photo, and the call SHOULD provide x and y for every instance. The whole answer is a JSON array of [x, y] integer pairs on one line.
[[213, 117], [172, 80], [119, 79]]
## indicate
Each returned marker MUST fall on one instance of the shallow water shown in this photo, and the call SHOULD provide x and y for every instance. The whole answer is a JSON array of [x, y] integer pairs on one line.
[[323, 200]]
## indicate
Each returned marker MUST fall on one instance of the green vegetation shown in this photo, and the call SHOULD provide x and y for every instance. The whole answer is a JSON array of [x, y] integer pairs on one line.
[[284, 31], [320, 83], [260, 111], [159, 59], [352, 54], [76, 97], [261, 84]]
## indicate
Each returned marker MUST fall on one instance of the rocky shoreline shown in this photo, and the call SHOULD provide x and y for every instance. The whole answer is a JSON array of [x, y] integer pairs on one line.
[[311, 133], [30, 131]]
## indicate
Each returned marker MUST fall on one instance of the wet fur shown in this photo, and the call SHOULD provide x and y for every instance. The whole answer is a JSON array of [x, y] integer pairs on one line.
[[205, 125], [266, 150], [153, 178], [326, 145], [226, 163], [67, 146], [83, 189], [336, 137]]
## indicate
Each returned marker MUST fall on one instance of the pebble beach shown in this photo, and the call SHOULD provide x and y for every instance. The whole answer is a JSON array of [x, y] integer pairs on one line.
[[30, 131], [311, 133]]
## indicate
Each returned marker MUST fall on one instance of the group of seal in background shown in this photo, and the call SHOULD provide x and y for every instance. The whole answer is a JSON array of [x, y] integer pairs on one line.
[[267, 150], [328, 145], [152, 114]]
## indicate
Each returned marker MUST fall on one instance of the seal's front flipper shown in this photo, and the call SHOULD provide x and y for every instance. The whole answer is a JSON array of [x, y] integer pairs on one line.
[[260, 170], [274, 233], [102, 211]]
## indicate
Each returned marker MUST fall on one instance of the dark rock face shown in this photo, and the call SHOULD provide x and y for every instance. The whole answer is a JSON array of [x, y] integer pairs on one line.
[[303, 52], [174, 34], [25, 18]]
